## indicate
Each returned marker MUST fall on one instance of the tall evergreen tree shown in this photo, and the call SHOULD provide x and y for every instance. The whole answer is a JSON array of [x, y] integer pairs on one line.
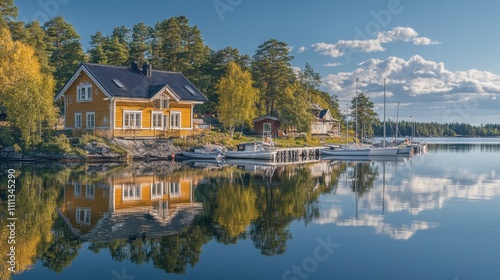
[[140, 46], [179, 47], [272, 73], [97, 53], [367, 117], [65, 49], [37, 38], [116, 52], [8, 12]]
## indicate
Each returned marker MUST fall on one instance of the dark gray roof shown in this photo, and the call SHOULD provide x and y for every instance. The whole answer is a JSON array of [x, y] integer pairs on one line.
[[322, 113], [137, 85]]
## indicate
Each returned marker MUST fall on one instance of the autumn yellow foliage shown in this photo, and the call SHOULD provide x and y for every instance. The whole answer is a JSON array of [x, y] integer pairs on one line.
[[26, 94]]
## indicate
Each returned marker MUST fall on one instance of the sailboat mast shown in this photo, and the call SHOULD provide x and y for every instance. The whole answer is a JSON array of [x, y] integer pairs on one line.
[[347, 124], [357, 79], [397, 122], [384, 112]]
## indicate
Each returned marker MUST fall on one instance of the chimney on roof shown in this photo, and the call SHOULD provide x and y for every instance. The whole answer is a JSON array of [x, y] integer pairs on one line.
[[146, 70], [135, 66]]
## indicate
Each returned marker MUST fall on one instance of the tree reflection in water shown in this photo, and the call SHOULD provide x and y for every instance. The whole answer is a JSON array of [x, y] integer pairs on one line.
[[237, 205], [364, 175]]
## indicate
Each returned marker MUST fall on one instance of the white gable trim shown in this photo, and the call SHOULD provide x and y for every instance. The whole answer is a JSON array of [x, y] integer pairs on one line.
[[167, 89], [75, 76]]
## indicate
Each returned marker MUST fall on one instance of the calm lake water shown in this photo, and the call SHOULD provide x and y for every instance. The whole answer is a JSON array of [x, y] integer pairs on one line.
[[433, 216]]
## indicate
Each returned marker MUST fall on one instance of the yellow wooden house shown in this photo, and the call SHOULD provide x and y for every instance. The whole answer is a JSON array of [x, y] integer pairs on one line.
[[129, 205], [129, 102]]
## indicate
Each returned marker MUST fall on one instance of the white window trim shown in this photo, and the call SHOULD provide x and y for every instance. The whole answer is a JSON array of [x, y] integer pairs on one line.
[[86, 215], [87, 92], [125, 112], [87, 118], [172, 114], [77, 189], [153, 113], [159, 187], [174, 194], [135, 196], [88, 193], [76, 124]]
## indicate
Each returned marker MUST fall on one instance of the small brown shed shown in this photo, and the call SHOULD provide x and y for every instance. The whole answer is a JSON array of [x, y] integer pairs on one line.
[[269, 125]]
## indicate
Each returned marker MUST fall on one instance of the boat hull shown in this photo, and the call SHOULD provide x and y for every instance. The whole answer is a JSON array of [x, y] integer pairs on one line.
[[202, 155], [345, 152], [383, 152], [251, 154]]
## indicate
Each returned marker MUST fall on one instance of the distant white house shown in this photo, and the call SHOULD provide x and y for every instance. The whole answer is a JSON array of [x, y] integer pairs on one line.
[[324, 123]]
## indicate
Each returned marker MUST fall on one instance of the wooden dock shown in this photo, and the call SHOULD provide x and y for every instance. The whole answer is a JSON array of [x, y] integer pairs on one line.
[[298, 154]]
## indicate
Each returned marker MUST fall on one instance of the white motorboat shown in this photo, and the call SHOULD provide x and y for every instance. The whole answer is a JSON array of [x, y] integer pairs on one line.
[[383, 151], [253, 150], [202, 154], [350, 151]]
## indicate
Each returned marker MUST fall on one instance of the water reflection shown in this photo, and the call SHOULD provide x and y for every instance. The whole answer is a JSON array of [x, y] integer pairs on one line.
[[165, 213]]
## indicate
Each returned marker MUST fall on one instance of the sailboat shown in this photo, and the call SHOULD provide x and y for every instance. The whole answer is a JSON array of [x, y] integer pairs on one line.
[[361, 151]]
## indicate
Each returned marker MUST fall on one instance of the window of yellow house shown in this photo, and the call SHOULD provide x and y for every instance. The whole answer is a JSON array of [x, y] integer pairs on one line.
[[157, 120], [175, 120], [131, 192], [90, 118], [84, 92], [132, 119], [78, 120], [83, 215], [175, 189]]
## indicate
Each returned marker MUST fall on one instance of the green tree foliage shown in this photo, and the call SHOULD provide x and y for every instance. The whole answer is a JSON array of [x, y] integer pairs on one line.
[[294, 109], [116, 52], [215, 69], [96, 52], [435, 129], [365, 114], [36, 203], [237, 98], [26, 93], [236, 209], [140, 46], [272, 73], [178, 47], [8, 12], [65, 49]]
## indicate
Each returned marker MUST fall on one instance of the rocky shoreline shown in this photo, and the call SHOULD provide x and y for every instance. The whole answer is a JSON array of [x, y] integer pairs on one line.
[[102, 152]]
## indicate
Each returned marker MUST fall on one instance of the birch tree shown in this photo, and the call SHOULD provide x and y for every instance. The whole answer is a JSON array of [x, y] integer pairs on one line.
[[237, 98], [26, 93]]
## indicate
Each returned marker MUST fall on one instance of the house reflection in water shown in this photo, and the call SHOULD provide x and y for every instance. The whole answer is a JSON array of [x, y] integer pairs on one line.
[[129, 206]]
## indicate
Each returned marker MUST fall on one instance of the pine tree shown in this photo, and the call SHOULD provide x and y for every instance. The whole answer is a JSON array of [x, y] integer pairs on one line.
[[8, 12], [65, 49], [140, 46], [272, 73], [365, 114], [96, 51]]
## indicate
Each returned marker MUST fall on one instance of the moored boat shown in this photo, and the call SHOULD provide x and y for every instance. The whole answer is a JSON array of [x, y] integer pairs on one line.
[[202, 154], [253, 150]]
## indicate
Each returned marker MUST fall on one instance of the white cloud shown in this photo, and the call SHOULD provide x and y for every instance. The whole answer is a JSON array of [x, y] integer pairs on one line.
[[332, 64], [461, 96], [301, 49], [405, 34]]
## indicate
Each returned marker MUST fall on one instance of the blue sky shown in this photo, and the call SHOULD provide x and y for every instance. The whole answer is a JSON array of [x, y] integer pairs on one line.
[[439, 58]]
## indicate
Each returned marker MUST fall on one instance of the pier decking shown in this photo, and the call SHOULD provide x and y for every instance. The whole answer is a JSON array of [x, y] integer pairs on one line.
[[298, 154]]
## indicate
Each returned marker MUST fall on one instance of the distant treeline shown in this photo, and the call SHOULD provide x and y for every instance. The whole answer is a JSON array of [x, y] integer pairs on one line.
[[438, 130]]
